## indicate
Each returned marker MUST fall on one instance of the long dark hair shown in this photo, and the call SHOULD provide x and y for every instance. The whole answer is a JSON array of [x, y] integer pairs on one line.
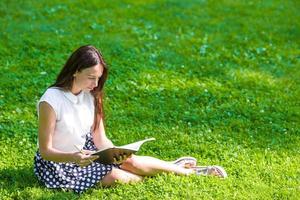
[[85, 57]]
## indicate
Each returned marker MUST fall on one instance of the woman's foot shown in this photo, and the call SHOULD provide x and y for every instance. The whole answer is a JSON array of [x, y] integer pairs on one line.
[[210, 171], [186, 162]]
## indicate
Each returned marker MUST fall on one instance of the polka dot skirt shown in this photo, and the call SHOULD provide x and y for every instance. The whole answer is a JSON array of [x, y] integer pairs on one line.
[[70, 175]]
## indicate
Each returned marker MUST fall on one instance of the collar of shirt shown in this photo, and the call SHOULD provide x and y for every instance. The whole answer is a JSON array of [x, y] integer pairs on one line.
[[74, 98]]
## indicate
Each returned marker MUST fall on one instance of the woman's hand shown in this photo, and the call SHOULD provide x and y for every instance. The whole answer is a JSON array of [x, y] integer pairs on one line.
[[84, 158], [120, 159]]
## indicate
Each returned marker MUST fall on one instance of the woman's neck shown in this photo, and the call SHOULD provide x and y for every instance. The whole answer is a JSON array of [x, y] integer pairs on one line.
[[75, 90]]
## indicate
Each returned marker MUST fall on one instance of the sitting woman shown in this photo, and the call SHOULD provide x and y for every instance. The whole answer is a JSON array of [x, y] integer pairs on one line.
[[71, 117]]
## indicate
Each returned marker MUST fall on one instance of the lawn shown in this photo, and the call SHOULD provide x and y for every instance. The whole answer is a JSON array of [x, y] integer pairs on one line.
[[217, 80]]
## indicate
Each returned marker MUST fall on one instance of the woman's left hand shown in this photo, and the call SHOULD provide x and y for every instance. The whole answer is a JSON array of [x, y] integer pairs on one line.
[[120, 159]]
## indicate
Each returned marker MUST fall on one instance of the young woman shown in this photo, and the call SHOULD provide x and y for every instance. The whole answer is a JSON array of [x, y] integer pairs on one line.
[[71, 118]]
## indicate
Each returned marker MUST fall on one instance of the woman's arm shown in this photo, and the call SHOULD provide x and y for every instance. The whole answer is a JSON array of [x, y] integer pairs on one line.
[[47, 120], [99, 137]]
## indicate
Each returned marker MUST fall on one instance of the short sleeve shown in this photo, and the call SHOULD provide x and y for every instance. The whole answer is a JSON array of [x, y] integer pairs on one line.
[[52, 97]]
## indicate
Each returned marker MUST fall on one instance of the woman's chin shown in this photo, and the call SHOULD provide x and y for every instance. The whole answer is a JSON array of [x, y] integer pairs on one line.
[[88, 89]]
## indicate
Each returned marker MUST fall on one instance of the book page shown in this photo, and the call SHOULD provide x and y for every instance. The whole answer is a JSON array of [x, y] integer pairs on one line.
[[136, 145], [106, 156]]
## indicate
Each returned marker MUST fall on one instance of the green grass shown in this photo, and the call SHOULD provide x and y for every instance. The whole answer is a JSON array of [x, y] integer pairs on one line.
[[218, 80]]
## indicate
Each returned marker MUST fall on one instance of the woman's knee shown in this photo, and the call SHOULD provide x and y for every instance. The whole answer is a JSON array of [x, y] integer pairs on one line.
[[112, 177], [119, 175], [131, 162], [135, 164]]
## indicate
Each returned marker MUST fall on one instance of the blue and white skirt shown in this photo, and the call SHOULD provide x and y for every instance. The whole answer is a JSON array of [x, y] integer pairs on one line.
[[70, 175]]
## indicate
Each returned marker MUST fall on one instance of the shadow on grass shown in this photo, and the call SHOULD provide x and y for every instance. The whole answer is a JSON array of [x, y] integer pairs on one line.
[[18, 178], [21, 183]]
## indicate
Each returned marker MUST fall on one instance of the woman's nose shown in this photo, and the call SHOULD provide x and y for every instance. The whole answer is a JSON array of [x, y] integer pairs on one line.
[[96, 82]]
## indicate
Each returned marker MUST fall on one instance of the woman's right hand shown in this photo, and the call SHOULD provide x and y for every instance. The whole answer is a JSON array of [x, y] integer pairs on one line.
[[84, 158]]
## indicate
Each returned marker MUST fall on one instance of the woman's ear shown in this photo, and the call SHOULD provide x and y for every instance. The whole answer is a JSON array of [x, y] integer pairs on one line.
[[75, 74]]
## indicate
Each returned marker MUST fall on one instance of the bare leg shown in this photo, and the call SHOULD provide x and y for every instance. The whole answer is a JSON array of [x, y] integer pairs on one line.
[[149, 166], [119, 175]]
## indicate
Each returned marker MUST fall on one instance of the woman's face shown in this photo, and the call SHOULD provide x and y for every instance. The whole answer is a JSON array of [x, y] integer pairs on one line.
[[87, 79]]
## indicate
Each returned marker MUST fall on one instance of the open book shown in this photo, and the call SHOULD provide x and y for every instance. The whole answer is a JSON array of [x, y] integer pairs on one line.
[[106, 156]]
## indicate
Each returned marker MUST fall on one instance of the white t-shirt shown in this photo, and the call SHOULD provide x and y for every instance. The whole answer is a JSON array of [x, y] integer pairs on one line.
[[74, 117]]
